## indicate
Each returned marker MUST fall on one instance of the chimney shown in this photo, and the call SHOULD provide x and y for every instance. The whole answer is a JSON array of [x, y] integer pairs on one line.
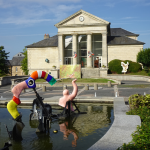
[[46, 36]]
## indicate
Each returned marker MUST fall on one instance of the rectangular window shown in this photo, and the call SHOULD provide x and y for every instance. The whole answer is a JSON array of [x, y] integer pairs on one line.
[[97, 50], [68, 49], [82, 50], [97, 44], [68, 61]]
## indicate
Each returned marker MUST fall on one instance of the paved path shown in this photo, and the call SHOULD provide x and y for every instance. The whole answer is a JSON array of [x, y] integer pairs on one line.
[[103, 91]]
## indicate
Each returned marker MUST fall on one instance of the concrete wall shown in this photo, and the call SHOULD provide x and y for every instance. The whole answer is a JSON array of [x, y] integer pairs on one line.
[[124, 52], [37, 56], [90, 72], [129, 77], [7, 80], [83, 30]]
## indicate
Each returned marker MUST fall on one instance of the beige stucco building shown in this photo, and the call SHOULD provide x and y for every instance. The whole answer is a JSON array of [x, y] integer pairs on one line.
[[15, 65], [79, 36]]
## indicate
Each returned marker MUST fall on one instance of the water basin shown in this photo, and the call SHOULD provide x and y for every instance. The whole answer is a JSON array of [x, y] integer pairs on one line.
[[78, 132]]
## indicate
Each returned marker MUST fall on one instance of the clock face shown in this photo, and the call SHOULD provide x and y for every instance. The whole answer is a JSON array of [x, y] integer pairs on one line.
[[81, 18]]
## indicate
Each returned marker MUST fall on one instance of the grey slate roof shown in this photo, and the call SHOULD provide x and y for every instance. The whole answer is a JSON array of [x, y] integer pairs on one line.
[[122, 40], [20, 54], [16, 61], [50, 42], [8, 62], [121, 32], [118, 37]]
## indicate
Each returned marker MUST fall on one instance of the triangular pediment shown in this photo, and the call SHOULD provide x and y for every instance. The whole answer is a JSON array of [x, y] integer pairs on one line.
[[82, 18]]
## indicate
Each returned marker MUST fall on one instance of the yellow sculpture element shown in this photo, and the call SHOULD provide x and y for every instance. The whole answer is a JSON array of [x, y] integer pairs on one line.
[[12, 108]]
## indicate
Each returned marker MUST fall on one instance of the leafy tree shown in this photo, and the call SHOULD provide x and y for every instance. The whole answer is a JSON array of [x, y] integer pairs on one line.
[[24, 62], [144, 57], [4, 68]]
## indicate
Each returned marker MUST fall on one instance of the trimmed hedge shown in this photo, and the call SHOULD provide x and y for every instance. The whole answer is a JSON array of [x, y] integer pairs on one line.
[[115, 66]]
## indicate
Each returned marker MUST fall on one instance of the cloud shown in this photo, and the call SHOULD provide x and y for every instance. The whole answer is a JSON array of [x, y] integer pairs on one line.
[[110, 4], [128, 17], [18, 21], [139, 2], [147, 4], [29, 12], [16, 3], [61, 11]]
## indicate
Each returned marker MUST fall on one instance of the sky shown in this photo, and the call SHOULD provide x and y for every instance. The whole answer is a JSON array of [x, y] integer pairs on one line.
[[24, 22]]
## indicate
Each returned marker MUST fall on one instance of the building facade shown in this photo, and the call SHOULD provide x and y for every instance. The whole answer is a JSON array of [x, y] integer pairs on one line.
[[15, 65], [83, 39]]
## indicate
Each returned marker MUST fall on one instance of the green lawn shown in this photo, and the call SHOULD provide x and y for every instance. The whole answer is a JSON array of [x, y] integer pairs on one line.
[[143, 73], [84, 80]]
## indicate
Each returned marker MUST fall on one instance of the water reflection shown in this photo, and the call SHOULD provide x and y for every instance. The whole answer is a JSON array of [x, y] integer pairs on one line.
[[78, 132], [67, 130]]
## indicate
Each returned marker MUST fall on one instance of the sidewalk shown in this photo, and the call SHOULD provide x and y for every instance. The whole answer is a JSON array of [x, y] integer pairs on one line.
[[103, 91]]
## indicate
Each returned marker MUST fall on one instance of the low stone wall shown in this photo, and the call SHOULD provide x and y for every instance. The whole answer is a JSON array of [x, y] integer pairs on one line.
[[121, 129], [129, 77], [7, 80], [93, 72], [90, 72]]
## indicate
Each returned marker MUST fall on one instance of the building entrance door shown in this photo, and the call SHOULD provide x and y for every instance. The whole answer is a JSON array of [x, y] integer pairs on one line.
[[68, 61]]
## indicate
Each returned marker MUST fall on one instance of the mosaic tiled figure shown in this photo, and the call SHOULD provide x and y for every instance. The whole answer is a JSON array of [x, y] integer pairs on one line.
[[29, 83]]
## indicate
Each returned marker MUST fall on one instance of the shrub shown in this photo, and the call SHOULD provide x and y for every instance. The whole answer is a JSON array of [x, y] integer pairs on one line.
[[138, 101], [115, 66], [133, 66], [143, 57], [128, 147], [146, 69], [141, 137]]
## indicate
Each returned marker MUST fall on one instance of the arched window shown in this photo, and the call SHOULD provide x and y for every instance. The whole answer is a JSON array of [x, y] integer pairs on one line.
[[16, 69]]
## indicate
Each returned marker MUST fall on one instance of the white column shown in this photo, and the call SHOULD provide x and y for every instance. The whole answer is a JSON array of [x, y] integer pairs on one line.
[[89, 48], [104, 50], [60, 50], [74, 48]]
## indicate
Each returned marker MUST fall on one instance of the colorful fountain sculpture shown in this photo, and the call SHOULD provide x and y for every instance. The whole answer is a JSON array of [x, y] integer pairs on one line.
[[12, 104]]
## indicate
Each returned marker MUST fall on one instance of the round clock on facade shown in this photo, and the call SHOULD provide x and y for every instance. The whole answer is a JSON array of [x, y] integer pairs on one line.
[[81, 18]]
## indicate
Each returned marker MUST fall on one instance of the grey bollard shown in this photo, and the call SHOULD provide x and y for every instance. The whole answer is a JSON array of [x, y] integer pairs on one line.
[[109, 83], [95, 86], [11, 87], [86, 87], [89, 109], [43, 88], [64, 87], [12, 82]]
